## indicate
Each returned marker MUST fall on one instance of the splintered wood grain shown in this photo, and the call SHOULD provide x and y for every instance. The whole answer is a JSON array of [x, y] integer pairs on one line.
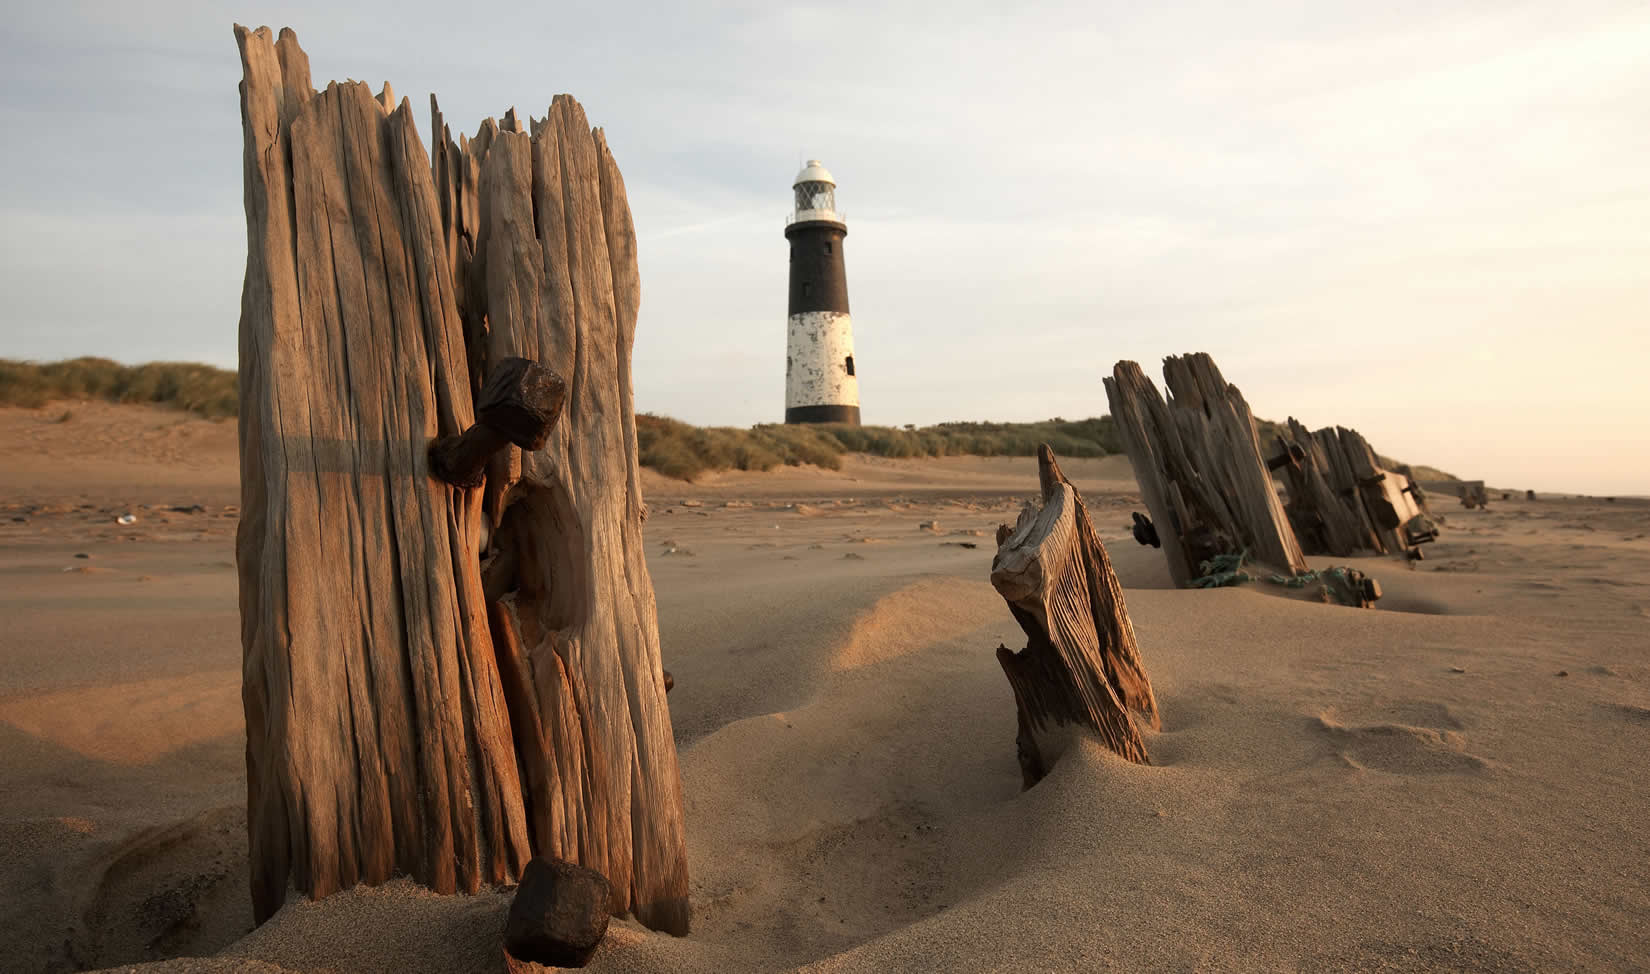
[[378, 740], [1081, 665], [555, 278]]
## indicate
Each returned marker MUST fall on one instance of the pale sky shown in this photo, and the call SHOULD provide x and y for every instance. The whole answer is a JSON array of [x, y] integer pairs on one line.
[[1426, 220]]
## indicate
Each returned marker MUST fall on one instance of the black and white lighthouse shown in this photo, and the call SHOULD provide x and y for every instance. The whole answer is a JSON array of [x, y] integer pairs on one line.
[[820, 385]]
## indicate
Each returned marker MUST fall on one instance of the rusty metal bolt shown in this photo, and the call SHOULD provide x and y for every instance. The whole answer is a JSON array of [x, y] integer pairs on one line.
[[1145, 532], [519, 404]]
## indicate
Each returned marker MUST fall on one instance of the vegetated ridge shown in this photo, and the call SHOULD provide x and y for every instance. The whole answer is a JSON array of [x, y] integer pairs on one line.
[[673, 448]]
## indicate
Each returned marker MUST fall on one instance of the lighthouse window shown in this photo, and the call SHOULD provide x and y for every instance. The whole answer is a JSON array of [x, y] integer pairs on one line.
[[848, 363], [827, 247], [807, 288]]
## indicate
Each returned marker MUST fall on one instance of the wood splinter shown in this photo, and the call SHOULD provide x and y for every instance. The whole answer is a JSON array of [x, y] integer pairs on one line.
[[519, 404], [1081, 666]]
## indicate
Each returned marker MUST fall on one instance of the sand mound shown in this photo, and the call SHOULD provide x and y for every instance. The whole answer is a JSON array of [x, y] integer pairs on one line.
[[917, 617], [68, 442], [398, 926], [133, 723]]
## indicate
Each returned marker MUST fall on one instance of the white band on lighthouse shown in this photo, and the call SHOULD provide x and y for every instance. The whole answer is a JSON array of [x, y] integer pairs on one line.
[[819, 368]]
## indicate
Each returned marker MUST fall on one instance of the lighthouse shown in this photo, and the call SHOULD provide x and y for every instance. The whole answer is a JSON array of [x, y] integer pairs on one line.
[[820, 382]]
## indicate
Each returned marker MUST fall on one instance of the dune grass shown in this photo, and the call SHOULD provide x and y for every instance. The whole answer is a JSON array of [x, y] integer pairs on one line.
[[676, 449], [669, 446], [189, 386]]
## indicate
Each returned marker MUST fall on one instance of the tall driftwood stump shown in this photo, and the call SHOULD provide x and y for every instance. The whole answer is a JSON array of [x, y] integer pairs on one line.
[[1201, 468], [443, 680], [1081, 665]]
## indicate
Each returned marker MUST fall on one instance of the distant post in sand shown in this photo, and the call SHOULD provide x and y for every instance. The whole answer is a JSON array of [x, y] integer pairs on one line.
[[450, 647], [1209, 481], [821, 382]]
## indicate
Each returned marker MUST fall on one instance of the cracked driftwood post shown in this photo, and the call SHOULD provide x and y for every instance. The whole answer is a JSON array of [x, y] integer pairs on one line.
[[1341, 502], [1326, 521], [1081, 666], [442, 681], [1200, 466]]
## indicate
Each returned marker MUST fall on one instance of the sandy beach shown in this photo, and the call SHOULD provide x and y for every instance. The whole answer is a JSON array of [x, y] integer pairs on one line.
[[1453, 781]]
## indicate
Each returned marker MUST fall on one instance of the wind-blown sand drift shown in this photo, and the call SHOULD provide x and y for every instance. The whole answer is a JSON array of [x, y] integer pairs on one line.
[[1415, 787]]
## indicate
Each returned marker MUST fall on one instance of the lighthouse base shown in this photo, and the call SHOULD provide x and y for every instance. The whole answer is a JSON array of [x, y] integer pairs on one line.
[[823, 414]]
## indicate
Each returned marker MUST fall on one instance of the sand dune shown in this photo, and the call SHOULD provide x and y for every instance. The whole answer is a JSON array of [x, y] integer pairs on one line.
[[1452, 782]]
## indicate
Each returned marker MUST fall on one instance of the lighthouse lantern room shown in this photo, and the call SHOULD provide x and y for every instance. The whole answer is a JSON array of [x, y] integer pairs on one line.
[[821, 385]]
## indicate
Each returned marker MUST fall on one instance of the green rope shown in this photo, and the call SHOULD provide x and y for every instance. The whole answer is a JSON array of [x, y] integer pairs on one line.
[[1223, 570], [1334, 583]]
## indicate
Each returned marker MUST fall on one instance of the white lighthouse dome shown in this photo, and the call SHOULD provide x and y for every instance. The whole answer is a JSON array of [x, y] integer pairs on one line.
[[814, 172]]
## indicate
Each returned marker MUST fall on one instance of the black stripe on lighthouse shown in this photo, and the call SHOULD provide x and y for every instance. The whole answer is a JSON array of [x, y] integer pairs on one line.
[[819, 278]]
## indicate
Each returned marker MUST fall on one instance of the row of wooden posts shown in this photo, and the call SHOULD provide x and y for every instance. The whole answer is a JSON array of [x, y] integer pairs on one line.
[[1207, 479]]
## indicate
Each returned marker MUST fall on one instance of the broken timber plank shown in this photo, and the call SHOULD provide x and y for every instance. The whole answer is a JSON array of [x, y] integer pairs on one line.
[[1391, 508], [1081, 666], [1413, 488]]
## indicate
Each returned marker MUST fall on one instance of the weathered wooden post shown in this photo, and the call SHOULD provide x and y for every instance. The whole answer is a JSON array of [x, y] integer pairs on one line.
[[1325, 523], [403, 717], [1200, 467], [1081, 666]]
